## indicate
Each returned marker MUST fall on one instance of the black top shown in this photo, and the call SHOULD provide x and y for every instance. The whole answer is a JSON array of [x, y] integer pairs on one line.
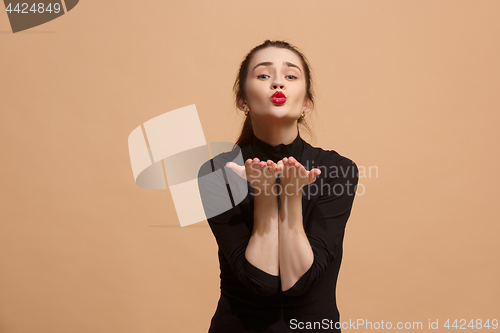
[[252, 300]]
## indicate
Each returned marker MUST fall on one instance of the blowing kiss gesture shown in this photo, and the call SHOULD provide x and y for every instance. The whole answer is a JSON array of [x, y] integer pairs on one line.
[[262, 174]]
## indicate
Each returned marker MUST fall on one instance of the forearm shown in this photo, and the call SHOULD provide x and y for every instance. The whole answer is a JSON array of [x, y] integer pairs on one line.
[[263, 247], [295, 252]]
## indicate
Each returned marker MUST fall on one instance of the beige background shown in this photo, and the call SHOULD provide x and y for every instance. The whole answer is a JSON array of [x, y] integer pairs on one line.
[[410, 87]]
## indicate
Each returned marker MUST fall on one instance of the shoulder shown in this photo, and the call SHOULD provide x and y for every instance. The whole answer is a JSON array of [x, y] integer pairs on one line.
[[331, 163], [325, 157]]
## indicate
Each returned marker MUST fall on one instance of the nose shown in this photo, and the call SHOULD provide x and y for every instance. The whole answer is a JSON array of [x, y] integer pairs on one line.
[[277, 83]]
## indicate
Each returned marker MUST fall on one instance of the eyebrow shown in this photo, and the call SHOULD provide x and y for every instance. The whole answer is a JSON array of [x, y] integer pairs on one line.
[[269, 63]]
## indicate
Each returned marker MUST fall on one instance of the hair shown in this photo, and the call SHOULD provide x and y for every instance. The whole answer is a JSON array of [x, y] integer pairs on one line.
[[247, 134]]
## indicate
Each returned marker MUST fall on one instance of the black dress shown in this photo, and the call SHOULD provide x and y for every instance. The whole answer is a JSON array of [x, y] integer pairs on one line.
[[251, 300]]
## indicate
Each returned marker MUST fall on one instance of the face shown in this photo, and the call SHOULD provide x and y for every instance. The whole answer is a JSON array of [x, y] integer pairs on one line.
[[274, 70]]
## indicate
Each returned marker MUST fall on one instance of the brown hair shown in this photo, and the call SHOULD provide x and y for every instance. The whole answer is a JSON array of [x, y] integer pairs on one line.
[[246, 134]]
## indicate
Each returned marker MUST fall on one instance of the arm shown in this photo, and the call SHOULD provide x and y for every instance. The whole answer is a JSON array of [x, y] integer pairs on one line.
[[324, 232], [262, 249], [229, 224], [296, 255]]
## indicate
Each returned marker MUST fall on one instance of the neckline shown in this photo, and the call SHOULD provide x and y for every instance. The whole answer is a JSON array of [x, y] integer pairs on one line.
[[264, 151]]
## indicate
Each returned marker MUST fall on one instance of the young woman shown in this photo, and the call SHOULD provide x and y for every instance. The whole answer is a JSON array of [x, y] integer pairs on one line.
[[280, 247]]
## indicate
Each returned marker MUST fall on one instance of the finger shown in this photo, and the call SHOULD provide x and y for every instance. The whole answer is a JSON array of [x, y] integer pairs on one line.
[[303, 172], [272, 170], [288, 169], [312, 177], [268, 171], [236, 168], [275, 170], [233, 166], [316, 172], [279, 168], [230, 166], [252, 165]]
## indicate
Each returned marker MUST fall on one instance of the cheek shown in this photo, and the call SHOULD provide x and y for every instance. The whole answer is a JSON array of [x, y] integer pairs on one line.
[[250, 89], [300, 92], [254, 91]]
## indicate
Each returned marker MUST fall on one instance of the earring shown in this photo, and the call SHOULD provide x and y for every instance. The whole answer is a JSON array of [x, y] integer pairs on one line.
[[303, 114], [246, 111]]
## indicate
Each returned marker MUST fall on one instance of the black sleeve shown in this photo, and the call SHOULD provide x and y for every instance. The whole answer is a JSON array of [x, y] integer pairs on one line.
[[325, 229], [222, 193]]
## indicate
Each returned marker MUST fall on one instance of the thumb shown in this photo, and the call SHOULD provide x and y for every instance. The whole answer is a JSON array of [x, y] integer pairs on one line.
[[313, 175], [238, 169], [279, 167]]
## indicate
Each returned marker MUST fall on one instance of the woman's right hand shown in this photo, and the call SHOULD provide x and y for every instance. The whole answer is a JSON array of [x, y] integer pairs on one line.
[[261, 174]]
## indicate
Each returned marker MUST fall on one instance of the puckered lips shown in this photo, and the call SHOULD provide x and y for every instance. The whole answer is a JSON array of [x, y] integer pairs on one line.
[[278, 97]]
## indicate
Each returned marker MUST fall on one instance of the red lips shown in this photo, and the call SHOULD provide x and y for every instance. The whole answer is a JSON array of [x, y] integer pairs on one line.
[[278, 97]]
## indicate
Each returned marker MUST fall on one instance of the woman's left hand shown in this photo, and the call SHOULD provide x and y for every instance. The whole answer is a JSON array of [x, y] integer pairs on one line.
[[294, 176]]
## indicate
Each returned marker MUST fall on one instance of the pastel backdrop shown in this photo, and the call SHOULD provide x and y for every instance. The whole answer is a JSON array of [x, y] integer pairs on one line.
[[408, 88]]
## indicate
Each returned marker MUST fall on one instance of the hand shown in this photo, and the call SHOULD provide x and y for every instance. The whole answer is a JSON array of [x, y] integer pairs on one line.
[[261, 174], [294, 176]]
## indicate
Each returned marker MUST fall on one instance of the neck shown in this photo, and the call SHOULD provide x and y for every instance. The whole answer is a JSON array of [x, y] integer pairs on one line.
[[275, 135]]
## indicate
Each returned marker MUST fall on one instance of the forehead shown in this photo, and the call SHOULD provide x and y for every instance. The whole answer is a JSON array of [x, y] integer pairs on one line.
[[275, 55]]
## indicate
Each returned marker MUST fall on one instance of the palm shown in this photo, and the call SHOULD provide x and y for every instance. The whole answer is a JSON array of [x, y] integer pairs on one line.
[[258, 173], [294, 174]]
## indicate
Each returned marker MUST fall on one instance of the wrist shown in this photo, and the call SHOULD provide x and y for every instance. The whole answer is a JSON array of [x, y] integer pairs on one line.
[[294, 196], [266, 193], [290, 190], [265, 188]]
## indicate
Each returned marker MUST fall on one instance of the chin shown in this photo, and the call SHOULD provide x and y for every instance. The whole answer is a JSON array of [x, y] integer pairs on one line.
[[285, 109], [275, 111], [279, 115]]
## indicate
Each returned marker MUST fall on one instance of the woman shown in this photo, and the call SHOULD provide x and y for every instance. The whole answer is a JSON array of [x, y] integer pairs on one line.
[[280, 247]]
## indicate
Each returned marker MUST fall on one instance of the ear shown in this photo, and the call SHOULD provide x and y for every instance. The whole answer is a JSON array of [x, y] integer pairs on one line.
[[307, 105], [241, 104]]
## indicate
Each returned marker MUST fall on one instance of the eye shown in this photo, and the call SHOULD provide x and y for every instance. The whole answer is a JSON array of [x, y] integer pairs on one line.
[[261, 75], [292, 77]]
